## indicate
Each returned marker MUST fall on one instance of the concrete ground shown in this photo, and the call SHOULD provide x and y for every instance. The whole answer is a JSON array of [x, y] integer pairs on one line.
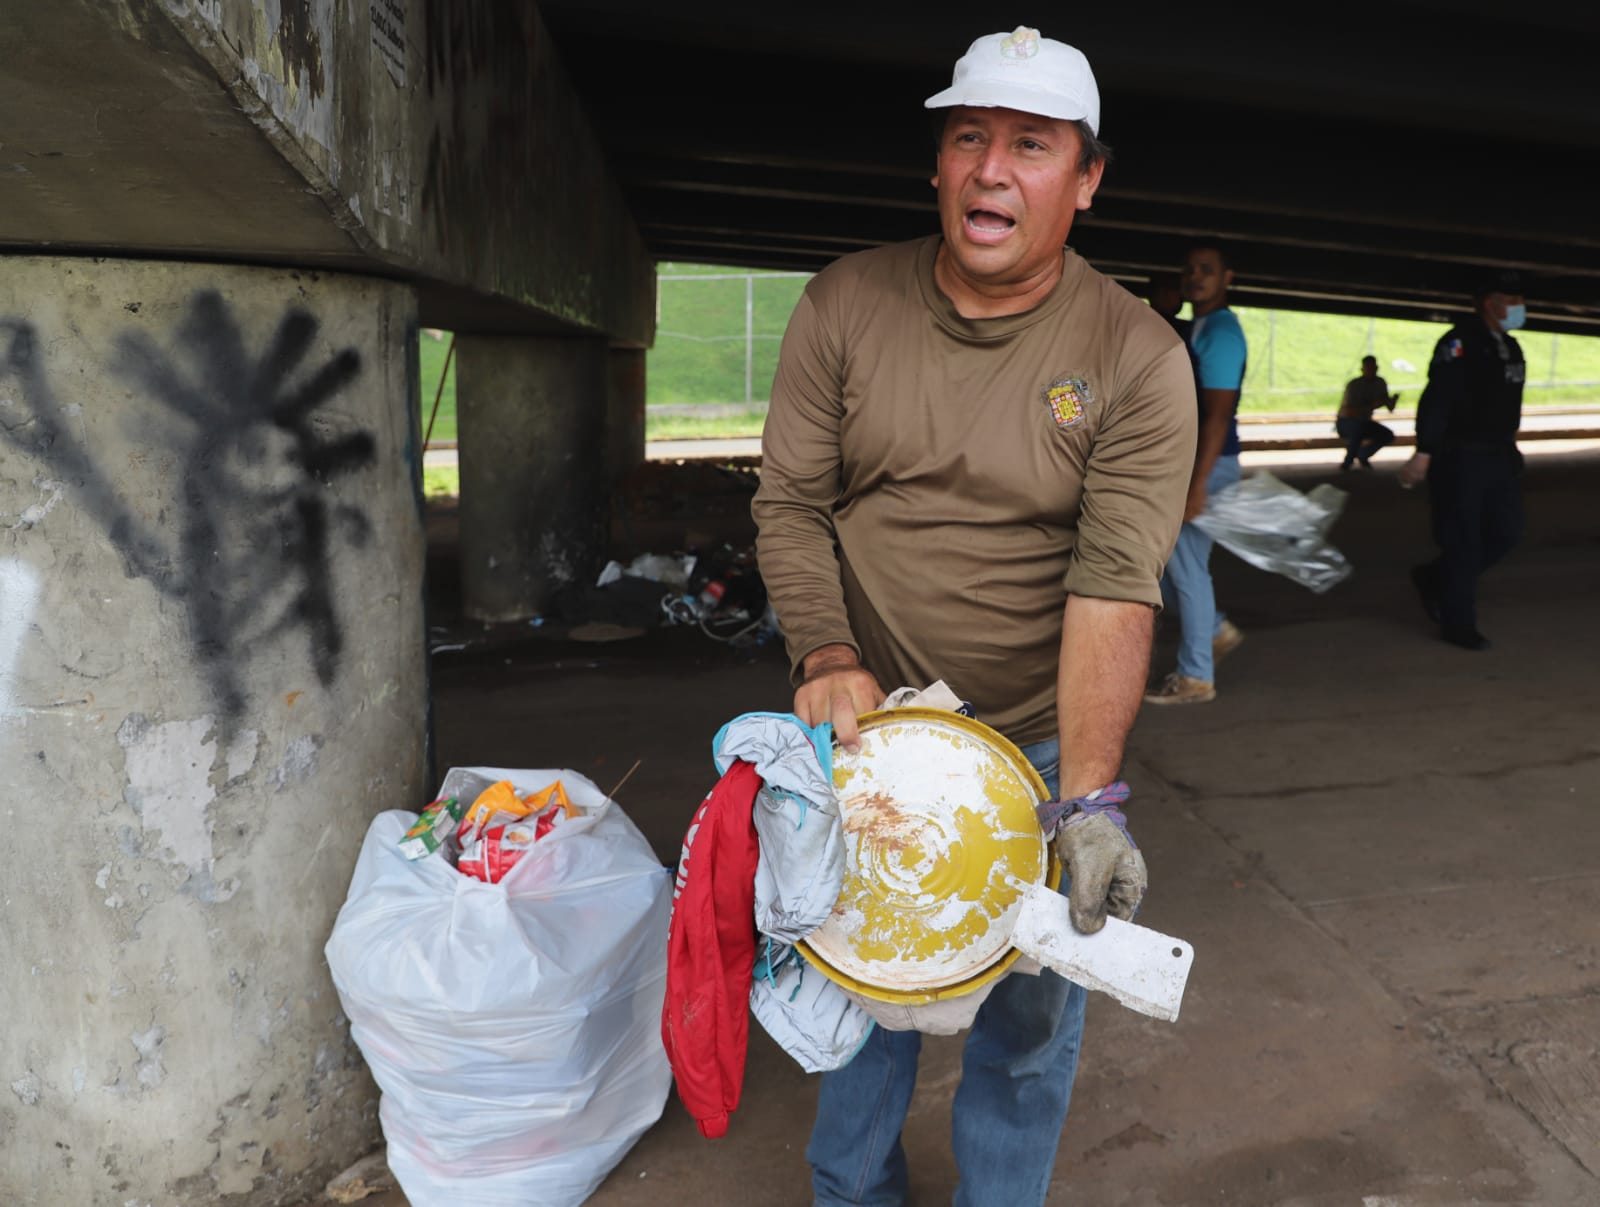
[[1385, 850]]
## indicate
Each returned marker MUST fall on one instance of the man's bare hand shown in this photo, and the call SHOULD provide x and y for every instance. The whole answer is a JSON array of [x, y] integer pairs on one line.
[[838, 689], [1414, 470], [1196, 502]]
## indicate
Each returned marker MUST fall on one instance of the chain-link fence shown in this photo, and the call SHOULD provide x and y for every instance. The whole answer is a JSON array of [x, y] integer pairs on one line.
[[718, 334]]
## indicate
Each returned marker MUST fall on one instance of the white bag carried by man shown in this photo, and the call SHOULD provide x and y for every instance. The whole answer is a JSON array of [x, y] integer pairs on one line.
[[513, 1028], [1263, 520]]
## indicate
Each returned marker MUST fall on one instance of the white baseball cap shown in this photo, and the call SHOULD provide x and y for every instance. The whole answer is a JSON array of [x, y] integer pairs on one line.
[[1023, 71]]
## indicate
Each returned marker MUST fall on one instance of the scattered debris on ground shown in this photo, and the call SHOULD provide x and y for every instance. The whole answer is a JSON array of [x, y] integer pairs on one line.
[[368, 1176]]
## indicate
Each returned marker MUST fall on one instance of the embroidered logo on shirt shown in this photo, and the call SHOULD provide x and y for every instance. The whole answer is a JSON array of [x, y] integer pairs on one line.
[[1454, 350], [1068, 398], [1020, 43]]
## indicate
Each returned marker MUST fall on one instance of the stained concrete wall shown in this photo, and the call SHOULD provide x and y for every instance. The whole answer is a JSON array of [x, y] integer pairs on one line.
[[438, 140], [625, 413], [212, 674], [117, 135], [448, 135], [531, 413]]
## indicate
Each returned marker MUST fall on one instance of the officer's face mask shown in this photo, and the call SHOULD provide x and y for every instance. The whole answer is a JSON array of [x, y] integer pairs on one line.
[[1516, 315]]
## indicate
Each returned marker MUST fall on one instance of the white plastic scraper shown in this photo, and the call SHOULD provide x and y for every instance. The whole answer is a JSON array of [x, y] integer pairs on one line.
[[1143, 969]]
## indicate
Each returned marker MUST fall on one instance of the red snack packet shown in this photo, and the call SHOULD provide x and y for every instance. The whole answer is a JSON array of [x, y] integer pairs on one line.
[[490, 856]]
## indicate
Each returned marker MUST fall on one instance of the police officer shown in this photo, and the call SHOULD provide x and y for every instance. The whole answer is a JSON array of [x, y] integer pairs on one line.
[[1467, 423]]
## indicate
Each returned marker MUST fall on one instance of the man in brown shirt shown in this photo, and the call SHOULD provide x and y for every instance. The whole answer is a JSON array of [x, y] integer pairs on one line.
[[974, 468]]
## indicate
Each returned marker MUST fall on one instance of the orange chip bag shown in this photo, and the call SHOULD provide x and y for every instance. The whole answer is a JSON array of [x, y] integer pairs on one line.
[[498, 806], [555, 794], [489, 855]]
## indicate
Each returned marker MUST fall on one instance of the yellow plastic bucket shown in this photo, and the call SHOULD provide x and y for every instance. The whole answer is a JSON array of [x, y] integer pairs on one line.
[[939, 822]]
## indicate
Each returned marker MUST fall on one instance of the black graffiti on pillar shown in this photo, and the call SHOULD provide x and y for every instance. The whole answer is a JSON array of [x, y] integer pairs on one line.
[[43, 433], [256, 531]]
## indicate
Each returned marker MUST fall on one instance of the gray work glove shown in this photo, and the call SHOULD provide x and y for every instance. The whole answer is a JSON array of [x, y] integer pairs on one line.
[[1103, 863]]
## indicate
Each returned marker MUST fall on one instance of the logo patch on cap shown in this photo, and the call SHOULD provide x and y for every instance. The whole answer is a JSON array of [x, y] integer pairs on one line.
[[1069, 399], [1020, 43]]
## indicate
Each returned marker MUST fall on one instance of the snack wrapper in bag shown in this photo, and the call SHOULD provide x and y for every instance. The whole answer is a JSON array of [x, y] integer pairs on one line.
[[494, 854], [432, 829], [499, 804], [490, 852]]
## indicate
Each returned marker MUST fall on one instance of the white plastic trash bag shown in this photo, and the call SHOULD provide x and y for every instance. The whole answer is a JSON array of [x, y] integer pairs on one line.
[[514, 1028], [1274, 527]]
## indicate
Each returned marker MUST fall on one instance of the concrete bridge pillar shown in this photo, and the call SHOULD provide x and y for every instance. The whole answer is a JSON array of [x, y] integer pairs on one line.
[[531, 421], [625, 412], [212, 674]]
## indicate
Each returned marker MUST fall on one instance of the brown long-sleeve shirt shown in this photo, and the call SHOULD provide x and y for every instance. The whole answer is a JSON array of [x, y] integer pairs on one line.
[[933, 487]]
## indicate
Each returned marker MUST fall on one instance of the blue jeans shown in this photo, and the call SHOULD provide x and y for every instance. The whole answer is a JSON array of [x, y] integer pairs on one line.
[[1017, 1070], [1363, 438], [1186, 585]]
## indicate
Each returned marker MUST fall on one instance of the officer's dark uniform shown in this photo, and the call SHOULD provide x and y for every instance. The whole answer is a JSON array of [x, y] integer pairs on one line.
[[1467, 419]]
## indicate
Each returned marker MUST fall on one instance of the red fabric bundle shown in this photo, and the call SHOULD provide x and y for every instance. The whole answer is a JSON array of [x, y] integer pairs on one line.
[[711, 950]]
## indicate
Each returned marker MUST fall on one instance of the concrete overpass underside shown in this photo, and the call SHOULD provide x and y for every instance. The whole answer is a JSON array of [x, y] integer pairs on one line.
[[1368, 157]]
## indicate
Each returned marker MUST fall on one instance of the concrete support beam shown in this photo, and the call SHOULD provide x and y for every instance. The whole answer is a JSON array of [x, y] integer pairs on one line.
[[438, 140], [212, 674], [625, 413], [531, 420]]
